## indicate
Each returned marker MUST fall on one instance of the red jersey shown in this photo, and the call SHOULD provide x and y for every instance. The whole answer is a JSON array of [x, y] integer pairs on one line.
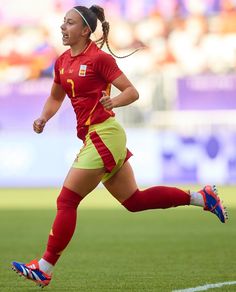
[[83, 78]]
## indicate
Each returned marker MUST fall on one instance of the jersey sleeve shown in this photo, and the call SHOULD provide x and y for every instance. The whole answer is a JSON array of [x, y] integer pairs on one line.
[[105, 66], [57, 73]]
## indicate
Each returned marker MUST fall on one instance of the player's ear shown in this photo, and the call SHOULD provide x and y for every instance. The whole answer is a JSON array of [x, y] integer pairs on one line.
[[85, 31]]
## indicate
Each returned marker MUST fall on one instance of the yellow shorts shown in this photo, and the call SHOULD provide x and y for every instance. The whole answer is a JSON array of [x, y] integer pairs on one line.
[[104, 147]]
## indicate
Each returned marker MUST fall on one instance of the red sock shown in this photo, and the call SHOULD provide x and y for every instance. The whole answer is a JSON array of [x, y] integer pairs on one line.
[[64, 225], [156, 198]]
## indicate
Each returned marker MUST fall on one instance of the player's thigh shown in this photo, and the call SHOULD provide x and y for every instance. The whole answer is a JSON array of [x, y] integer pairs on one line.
[[83, 181], [122, 185]]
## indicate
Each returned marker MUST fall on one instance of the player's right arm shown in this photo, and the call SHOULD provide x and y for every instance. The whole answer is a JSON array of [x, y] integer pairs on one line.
[[52, 105]]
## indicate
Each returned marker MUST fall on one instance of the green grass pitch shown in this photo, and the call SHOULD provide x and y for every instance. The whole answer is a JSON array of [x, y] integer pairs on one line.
[[114, 250]]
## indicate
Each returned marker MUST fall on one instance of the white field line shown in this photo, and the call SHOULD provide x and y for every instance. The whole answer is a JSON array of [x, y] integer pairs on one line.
[[206, 287]]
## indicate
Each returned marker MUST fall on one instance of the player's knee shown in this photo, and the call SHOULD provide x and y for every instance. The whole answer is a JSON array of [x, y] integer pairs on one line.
[[68, 199]]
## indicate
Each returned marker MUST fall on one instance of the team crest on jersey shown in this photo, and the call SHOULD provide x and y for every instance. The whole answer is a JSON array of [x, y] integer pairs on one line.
[[82, 70], [61, 71]]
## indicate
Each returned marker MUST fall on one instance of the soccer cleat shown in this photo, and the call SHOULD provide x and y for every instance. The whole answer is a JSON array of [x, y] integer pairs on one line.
[[32, 272], [213, 202]]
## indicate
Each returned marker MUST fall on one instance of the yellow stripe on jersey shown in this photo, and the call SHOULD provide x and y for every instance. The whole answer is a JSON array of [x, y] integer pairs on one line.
[[108, 92]]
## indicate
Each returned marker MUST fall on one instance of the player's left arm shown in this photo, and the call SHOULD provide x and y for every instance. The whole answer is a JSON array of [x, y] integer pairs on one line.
[[128, 94]]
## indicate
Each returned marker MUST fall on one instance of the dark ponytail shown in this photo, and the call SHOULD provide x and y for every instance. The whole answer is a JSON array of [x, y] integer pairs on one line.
[[99, 12]]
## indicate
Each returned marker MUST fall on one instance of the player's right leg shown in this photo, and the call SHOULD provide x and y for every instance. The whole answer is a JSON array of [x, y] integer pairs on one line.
[[77, 185]]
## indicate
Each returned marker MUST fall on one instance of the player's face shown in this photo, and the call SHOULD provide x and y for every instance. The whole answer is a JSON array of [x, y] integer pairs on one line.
[[73, 28]]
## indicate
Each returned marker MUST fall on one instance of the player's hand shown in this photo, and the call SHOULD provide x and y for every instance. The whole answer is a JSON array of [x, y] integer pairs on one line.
[[106, 101], [38, 125]]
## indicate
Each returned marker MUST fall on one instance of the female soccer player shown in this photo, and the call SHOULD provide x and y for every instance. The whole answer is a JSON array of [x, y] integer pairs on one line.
[[85, 73]]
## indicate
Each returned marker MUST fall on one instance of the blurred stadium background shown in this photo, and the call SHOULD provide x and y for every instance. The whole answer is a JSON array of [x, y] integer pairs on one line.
[[183, 128]]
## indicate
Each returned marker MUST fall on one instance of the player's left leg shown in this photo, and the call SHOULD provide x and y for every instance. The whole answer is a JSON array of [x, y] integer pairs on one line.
[[124, 188]]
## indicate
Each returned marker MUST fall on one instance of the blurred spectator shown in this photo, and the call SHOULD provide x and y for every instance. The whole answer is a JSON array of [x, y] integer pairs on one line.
[[228, 16]]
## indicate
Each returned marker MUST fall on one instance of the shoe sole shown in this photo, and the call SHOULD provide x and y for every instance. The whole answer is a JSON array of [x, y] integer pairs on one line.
[[220, 204]]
